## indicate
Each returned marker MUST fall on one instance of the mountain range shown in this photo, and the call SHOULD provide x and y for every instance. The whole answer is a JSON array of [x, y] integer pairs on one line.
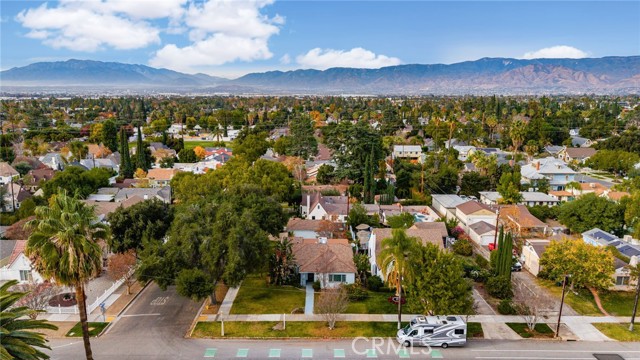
[[487, 75]]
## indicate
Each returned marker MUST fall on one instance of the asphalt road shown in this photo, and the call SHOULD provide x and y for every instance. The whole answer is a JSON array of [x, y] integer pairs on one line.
[[153, 327]]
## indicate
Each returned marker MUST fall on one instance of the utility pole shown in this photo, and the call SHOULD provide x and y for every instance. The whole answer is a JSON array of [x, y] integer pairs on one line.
[[564, 287], [495, 235], [635, 303]]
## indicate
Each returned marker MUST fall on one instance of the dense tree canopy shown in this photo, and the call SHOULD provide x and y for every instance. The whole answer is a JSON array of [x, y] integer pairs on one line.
[[590, 211], [75, 179], [144, 221]]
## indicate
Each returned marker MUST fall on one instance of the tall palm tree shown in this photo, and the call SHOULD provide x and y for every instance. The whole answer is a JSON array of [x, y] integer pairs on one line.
[[517, 133], [19, 341], [394, 260], [64, 247]]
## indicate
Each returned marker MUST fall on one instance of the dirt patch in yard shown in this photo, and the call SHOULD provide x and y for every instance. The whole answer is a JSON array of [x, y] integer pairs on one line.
[[221, 292]]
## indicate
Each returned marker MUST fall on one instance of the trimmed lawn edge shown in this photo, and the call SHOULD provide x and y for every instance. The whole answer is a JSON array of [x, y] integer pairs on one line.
[[474, 330], [619, 331], [295, 330], [98, 328], [542, 330]]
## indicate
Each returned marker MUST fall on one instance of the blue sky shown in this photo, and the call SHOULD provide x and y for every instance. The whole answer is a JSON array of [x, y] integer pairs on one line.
[[230, 38]]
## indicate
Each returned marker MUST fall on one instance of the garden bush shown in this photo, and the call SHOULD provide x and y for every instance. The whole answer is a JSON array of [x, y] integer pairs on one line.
[[374, 283], [481, 261], [355, 292], [499, 287], [463, 247], [316, 286], [505, 307]]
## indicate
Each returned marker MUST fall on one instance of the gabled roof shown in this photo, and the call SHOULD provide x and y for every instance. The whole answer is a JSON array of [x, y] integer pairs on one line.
[[17, 250], [297, 224], [580, 152], [472, 206], [436, 226], [425, 236], [162, 174], [334, 256], [600, 235], [7, 170], [482, 227]]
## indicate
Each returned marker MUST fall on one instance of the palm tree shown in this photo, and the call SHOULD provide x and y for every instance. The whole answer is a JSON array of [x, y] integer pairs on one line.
[[19, 341], [517, 133], [64, 247], [394, 262]]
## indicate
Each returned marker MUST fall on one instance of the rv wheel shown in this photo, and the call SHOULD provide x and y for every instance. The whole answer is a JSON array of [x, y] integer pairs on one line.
[[406, 343], [445, 345]]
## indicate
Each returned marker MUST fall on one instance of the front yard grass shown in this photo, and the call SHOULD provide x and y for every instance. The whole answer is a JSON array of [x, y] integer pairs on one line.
[[619, 332], [95, 328], [299, 329], [474, 330], [617, 303], [257, 297], [540, 331], [374, 303]]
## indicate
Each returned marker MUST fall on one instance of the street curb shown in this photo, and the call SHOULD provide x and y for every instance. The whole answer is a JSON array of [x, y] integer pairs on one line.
[[134, 298], [195, 321]]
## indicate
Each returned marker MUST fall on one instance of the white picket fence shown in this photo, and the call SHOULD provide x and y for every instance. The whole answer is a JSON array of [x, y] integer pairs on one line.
[[74, 309]]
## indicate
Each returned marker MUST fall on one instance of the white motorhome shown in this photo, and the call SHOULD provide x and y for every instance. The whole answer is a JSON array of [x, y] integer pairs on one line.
[[441, 331]]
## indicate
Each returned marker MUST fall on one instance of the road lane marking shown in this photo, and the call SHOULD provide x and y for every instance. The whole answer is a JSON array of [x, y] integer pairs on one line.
[[307, 353], [133, 315], [371, 353], [242, 353], [403, 353], [274, 353], [61, 346], [211, 352], [338, 353], [436, 354], [160, 300]]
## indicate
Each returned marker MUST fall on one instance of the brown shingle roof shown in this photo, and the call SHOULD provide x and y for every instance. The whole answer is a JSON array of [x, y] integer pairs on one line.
[[7, 170], [580, 152], [472, 206], [437, 226], [425, 235], [297, 224], [335, 256], [162, 174]]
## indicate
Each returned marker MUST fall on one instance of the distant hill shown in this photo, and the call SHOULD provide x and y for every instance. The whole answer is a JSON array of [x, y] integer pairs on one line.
[[97, 73], [608, 75]]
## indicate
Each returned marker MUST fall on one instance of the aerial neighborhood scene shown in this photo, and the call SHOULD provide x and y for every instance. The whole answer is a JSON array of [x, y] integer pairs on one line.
[[220, 179]]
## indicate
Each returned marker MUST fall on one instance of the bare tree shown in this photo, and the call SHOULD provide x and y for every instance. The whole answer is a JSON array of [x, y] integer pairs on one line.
[[120, 266], [331, 303], [38, 296], [530, 305]]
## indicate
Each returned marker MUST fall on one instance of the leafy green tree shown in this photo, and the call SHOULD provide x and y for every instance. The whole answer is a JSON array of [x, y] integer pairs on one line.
[[395, 261], [590, 211], [282, 265], [194, 283], [502, 257], [146, 220], [444, 181], [75, 179], [304, 143], [252, 146], [79, 150], [509, 187], [110, 135], [438, 286], [167, 162], [590, 266], [282, 145], [19, 340], [187, 156], [126, 166], [358, 215], [632, 214], [401, 221], [472, 183], [63, 246], [22, 168], [325, 174], [617, 161], [143, 154]]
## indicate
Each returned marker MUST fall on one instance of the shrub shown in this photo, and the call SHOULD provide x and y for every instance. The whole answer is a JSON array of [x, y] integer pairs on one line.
[[355, 292], [481, 261], [499, 287], [385, 289], [316, 285], [374, 283], [505, 307], [456, 231], [463, 247], [480, 275], [469, 269]]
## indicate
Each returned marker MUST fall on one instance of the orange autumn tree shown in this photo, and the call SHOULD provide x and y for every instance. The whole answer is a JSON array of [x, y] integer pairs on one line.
[[200, 152]]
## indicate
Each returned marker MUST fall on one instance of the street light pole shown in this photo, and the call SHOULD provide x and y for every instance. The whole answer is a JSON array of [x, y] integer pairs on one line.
[[564, 286], [495, 235]]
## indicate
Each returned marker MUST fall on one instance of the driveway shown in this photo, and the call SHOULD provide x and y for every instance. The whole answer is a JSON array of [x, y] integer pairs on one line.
[[526, 284]]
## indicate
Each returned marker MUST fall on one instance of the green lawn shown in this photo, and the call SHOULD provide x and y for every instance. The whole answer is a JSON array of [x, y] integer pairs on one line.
[[188, 144], [257, 297], [619, 332], [541, 330], [95, 328], [617, 303], [474, 330], [312, 329], [375, 303]]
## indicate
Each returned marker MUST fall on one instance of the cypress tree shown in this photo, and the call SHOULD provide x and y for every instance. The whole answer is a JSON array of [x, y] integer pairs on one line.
[[126, 167], [367, 185], [372, 171], [141, 158]]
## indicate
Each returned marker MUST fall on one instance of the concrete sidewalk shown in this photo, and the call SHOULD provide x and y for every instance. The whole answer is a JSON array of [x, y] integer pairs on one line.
[[309, 300], [227, 303]]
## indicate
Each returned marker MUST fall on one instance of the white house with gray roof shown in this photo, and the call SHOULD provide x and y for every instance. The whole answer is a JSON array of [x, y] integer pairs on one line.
[[554, 170]]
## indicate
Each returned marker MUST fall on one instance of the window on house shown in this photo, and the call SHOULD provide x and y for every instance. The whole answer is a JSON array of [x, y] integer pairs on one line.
[[337, 278], [25, 275], [622, 280]]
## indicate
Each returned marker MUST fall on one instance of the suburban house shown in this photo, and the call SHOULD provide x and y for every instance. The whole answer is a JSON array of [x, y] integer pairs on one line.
[[553, 149], [38, 175], [329, 261], [317, 207], [576, 154], [7, 172], [14, 196], [532, 253], [106, 163], [445, 204], [554, 170], [622, 280], [161, 177], [615, 195], [578, 141], [529, 198], [377, 235], [407, 151], [472, 212], [599, 237], [14, 264], [591, 187], [482, 233], [464, 151], [520, 220], [311, 229], [118, 195], [562, 195], [103, 208], [53, 161]]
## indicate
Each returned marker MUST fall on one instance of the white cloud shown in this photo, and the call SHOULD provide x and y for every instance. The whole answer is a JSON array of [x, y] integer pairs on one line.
[[91, 25], [322, 59], [220, 32], [555, 52], [285, 59]]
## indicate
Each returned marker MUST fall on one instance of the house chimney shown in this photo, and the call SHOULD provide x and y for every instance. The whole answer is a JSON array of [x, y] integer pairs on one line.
[[538, 166], [308, 204]]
